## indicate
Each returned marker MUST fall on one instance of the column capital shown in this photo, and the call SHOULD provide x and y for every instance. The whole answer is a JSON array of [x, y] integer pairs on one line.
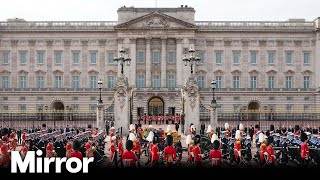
[[227, 42], [148, 40], [49, 42], [164, 40], [210, 42], [280, 42], [262, 42], [32, 42], [298, 42], [102, 42], [84, 42], [245, 42], [14, 42], [66, 42]]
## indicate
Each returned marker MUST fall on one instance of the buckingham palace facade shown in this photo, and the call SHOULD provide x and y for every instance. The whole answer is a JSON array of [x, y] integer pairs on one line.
[[256, 64]]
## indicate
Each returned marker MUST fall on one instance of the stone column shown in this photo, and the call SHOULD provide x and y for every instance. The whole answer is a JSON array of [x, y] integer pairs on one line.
[[133, 64], [14, 64], [32, 61], [84, 63], [316, 61], [66, 63], [49, 78], [163, 62], [102, 59], [121, 104], [263, 62], [179, 63], [280, 63], [192, 103], [148, 63], [100, 122]]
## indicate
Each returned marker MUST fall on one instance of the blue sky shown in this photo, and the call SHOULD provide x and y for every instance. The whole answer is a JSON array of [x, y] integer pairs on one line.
[[214, 10]]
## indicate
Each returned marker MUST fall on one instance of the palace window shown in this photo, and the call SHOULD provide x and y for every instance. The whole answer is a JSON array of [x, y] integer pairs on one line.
[[40, 57], [141, 82], [140, 57], [40, 82], [75, 57], [58, 57], [171, 81], [171, 57], [111, 81], [5, 81], [271, 56], [306, 58], [58, 81], [6, 57], [23, 57], [156, 57], [253, 57], [218, 57], [156, 81], [201, 82], [288, 57], [111, 58], [93, 82], [289, 82], [75, 82], [253, 82], [236, 58], [271, 82], [218, 82], [236, 82], [93, 57], [23, 82]]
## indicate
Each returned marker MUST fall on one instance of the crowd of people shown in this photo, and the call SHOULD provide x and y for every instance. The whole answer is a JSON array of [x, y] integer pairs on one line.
[[213, 147]]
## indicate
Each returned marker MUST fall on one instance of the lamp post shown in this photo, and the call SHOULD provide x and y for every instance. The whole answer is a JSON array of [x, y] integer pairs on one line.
[[100, 83], [122, 60], [192, 59]]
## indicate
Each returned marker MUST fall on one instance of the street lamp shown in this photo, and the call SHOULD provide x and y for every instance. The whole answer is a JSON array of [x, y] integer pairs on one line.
[[192, 59], [100, 83], [122, 60], [213, 101]]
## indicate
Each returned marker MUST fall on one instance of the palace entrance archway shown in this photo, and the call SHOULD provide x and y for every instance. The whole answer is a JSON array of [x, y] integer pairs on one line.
[[156, 106], [254, 107]]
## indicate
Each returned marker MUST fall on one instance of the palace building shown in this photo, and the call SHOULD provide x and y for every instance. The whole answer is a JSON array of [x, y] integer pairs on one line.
[[256, 64]]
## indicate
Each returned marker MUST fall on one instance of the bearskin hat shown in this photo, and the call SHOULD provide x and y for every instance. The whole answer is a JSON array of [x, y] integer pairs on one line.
[[197, 139], [216, 145], [303, 137], [4, 131], [155, 140], [268, 133], [44, 125], [296, 128], [257, 126], [169, 140], [269, 140], [89, 126], [129, 145], [271, 127], [76, 145]]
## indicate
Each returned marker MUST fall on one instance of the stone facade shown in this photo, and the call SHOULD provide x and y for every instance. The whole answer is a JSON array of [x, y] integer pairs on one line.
[[274, 64]]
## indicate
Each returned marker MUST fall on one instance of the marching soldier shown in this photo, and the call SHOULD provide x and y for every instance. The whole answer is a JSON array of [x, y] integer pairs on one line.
[[89, 148], [5, 158], [120, 150], [68, 147], [50, 149], [24, 149], [128, 156], [169, 151], [238, 148], [113, 152], [137, 149], [216, 154], [145, 118], [189, 143], [271, 157], [178, 147], [197, 151], [263, 147], [155, 152], [14, 144], [305, 156], [76, 146], [23, 137]]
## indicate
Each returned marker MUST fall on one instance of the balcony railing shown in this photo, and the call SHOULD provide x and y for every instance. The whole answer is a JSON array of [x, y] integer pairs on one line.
[[56, 89]]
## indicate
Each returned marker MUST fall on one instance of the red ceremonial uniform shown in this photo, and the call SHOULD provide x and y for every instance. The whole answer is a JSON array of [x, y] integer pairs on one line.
[[271, 157], [216, 156], [5, 158], [190, 150], [150, 147], [11, 136], [24, 151], [111, 134], [297, 133], [120, 147], [237, 149], [149, 118], [155, 156], [23, 137], [197, 154], [304, 151], [49, 150], [211, 133], [136, 147], [263, 149], [170, 153], [68, 150], [76, 154], [89, 151], [130, 157], [112, 151], [228, 133]]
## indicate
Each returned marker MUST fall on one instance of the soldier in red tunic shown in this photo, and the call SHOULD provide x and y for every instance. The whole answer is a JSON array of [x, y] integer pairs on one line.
[[68, 147], [155, 152], [120, 150], [170, 153], [23, 137], [150, 119], [24, 149], [89, 148], [305, 156], [50, 149], [216, 154], [271, 156], [76, 146], [197, 151], [113, 151], [145, 117], [237, 146], [129, 158]]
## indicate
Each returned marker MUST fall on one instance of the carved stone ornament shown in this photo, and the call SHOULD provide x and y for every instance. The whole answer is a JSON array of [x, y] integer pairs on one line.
[[121, 94], [192, 94], [156, 22]]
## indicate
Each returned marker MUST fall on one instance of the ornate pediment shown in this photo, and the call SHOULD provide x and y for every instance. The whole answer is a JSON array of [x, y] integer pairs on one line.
[[111, 72], [218, 72], [254, 72], [23, 72], [93, 72], [271, 72], [40, 72], [57, 72], [75, 72], [156, 20], [236, 72], [5, 72], [307, 72], [289, 72]]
